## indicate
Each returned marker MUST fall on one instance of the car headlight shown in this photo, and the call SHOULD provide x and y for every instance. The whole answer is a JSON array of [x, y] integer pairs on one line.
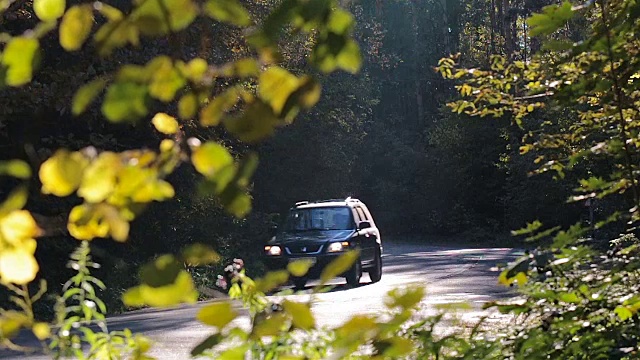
[[337, 246], [273, 250]]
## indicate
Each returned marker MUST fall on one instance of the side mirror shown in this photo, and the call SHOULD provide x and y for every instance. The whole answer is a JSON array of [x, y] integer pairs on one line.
[[364, 225]]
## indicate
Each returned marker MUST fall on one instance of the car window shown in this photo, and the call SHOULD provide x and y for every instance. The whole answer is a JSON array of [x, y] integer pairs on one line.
[[361, 214], [323, 218]]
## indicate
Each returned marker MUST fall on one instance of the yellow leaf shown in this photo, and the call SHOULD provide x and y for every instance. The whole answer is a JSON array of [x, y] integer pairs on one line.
[[86, 94], [230, 11], [18, 226], [196, 68], [17, 266], [300, 314], [210, 158], [256, 123], [213, 112], [217, 314], [125, 101], [41, 330], [199, 254], [299, 267], [339, 265], [166, 80], [85, 223], [16, 168], [48, 10], [61, 174], [76, 26], [187, 106], [165, 123], [270, 326], [275, 86], [99, 179], [11, 322], [181, 290], [19, 56], [521, 278]]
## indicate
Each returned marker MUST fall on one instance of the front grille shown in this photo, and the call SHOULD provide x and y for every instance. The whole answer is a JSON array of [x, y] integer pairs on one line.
[[303, 249]]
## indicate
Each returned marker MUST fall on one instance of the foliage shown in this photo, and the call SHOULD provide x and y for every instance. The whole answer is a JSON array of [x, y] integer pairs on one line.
[[579, 295]]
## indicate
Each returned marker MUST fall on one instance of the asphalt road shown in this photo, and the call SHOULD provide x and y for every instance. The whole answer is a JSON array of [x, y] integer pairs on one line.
[[449, 274]]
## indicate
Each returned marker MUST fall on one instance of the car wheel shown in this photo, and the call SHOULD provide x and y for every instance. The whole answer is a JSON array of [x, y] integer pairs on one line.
[[354, 274], [300, 283], [375, 273]]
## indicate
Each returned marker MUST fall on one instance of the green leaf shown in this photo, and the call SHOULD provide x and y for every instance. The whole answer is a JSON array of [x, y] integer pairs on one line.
[[162, 271], [306, 96], [551, 19], [48, 10], [272, 280], [217, 314], [405, 298], [166, 80], [337, 51], [125, 101], [569, 298], [229, 11], [275, 86], [16, 200], [300, 314], [396, 347], [239, 205], [339, 266], [159, 17], [19, 57], [76, 26], [199, 254], [16, 168], [349, 58], [340, 21], [299, 267], [269, 326], [86, 94], [164, 283], [623, 312], [11, 322], [210, 158], [235, 353], [187, 106], [356, 331], [257, 123], [206, 344], [213, 112]]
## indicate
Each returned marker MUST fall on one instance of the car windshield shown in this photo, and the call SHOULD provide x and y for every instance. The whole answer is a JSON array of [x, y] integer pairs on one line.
[[322, 218]]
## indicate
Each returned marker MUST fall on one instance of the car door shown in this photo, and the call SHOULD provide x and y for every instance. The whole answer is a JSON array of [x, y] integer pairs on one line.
[[367, 236]]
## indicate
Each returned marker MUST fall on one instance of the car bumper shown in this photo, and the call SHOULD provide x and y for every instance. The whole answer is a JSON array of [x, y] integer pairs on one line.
[[321, 261]]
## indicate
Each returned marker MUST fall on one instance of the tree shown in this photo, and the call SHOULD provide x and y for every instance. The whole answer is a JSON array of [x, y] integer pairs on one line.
[[105, 189]]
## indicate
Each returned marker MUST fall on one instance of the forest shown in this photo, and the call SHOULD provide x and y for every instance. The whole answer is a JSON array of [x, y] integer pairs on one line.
[[484, 121]]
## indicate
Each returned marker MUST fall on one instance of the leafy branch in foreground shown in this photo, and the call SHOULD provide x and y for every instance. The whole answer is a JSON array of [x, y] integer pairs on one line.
[[577, 105]]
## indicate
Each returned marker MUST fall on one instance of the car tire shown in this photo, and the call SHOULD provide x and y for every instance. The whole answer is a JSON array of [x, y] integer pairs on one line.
[[375, 273], [300, 283], [354, 274]]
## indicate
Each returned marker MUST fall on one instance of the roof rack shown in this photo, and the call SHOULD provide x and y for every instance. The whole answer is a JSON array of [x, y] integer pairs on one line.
[[302, 203]]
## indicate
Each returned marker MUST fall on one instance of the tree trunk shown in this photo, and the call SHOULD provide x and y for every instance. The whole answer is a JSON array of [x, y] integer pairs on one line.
[[416, 65], [492, 29]]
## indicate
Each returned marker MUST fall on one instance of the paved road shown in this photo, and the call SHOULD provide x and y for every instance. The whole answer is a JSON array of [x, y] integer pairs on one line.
[[450, 274]]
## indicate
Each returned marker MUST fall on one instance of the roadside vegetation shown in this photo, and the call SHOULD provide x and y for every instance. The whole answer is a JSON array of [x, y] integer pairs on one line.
[[145, 144]]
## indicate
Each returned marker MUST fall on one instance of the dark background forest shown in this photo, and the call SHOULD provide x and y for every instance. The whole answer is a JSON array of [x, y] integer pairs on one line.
[[383, 136]]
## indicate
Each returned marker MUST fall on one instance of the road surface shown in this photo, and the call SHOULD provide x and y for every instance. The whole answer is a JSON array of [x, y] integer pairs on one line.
[[449, 274]]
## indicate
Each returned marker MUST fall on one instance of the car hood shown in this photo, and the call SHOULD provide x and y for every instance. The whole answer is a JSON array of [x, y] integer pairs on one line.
[[313, 236]]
